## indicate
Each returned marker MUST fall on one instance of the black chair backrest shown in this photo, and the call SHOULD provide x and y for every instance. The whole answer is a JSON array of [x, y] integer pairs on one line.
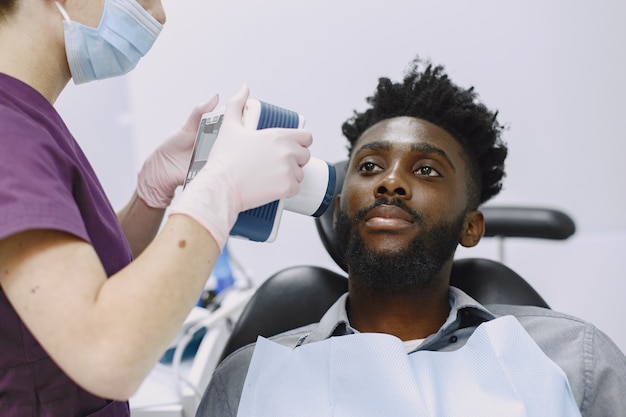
[[291, 298], [490, 282]]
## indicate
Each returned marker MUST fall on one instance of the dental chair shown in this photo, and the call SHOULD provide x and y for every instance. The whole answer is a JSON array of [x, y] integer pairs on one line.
[[300, 295]]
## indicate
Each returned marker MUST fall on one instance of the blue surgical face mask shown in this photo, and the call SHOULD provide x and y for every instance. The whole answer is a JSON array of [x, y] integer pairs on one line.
[[125, 34]]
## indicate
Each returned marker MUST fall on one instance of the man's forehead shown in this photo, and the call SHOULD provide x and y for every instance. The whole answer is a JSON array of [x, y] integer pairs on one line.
[[406, 132]]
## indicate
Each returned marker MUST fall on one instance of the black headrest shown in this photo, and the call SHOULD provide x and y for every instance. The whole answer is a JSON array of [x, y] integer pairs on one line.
[[505, 221]]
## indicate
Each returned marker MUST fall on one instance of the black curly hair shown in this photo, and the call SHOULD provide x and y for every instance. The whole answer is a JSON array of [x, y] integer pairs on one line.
[[427, 93], [7, 7]]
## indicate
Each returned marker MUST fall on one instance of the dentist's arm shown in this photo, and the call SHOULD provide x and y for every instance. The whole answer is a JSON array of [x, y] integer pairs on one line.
[[107, 334]]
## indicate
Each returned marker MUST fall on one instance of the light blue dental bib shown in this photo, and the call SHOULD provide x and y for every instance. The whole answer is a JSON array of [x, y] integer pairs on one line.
[[499, 372]]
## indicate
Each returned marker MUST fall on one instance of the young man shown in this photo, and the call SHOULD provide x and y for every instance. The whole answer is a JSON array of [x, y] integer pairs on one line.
[[83, 318], [423, 158]]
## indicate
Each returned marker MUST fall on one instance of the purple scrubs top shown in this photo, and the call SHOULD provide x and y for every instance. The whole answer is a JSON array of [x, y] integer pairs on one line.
[[46, 182]]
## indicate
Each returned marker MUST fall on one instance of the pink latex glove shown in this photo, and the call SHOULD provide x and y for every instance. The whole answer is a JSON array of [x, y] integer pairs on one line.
[[166, 168], [246, 168]]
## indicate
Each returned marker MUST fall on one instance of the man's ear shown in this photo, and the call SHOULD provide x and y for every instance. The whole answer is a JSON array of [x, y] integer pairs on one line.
[[336, 211], [473, 230]]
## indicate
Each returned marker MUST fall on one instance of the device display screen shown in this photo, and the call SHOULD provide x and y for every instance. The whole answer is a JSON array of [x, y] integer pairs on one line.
[[207, 133]]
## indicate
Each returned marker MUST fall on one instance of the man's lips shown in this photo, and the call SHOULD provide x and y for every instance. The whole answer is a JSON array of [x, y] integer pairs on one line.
[[389, 215]]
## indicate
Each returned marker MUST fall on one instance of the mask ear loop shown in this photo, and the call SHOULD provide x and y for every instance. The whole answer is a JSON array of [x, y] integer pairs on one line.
[[66, 16]]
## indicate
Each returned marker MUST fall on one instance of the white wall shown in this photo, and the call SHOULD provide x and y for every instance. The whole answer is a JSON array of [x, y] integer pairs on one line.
[[553, 69]]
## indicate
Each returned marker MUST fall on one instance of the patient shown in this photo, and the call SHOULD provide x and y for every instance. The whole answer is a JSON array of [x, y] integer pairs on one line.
[[423, 158]]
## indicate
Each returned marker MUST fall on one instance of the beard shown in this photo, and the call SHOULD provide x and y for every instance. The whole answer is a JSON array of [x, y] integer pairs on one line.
[[417, 265]]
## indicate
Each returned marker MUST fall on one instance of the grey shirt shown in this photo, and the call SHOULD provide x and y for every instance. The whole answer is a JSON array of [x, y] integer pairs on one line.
[[594, 365]]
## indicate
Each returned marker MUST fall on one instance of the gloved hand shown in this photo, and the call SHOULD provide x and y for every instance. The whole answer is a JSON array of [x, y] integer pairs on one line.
[[166, 168], [246, 168]]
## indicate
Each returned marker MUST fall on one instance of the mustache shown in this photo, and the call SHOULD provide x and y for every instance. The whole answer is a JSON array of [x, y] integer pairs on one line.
[[390, 202]]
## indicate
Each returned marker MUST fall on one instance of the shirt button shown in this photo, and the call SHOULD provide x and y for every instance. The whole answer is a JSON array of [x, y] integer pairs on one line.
[[453, 339]]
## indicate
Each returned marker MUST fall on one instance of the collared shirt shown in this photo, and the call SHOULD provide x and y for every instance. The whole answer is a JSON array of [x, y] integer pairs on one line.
[[594, 365]]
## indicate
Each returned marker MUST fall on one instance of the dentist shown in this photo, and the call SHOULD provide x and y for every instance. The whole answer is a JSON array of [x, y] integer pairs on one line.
[[90, 298]]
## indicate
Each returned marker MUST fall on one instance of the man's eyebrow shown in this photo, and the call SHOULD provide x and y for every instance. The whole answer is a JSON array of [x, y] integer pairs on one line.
[[384, 145], [379, 145], [428, 148]]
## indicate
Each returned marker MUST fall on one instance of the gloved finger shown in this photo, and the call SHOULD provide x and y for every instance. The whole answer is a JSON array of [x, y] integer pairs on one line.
[[193, 121], [298, 172], [236, 104], [293, 168], [300, 136], [292, 175], [301, 154], [296, 141]]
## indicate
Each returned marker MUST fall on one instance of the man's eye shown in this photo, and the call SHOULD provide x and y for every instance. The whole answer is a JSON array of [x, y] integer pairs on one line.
[[428, 171], [368, 167]]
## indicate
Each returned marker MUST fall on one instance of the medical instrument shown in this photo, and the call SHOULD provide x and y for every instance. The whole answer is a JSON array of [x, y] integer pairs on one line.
[[316, 190]]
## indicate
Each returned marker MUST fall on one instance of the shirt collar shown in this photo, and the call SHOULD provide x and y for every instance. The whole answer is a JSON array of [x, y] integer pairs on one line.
[[464, 312]]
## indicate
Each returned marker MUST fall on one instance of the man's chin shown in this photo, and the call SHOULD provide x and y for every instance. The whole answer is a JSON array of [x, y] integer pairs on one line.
[[387, 248]]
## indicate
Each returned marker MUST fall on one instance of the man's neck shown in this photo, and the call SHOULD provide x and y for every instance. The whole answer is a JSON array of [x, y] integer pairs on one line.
[[412, 314]]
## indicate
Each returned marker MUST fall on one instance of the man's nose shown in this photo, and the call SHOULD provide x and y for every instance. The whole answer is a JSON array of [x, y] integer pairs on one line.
[[393, 184]]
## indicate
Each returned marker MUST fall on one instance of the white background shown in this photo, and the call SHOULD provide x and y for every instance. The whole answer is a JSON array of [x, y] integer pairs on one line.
[[554, 69]]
